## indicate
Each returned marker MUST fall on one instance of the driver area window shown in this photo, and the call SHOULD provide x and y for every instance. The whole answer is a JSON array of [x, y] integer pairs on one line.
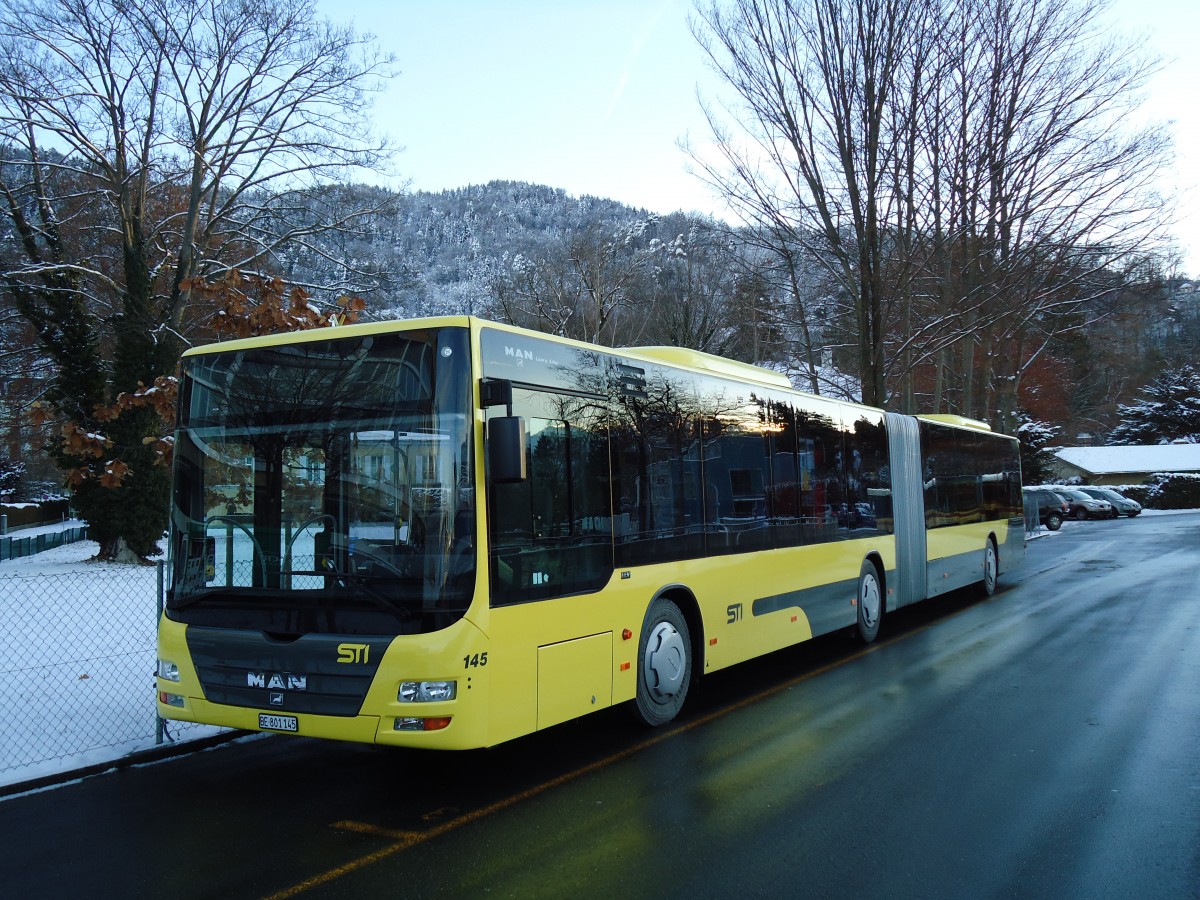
[[551, 535]]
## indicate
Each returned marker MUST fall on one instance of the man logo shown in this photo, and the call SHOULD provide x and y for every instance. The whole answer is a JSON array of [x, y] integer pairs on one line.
[[517, 352], [277, 681], [277, 699], [353, 653]]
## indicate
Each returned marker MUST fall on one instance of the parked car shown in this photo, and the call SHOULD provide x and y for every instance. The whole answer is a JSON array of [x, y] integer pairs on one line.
[[1051, 507], [1084, 506], [1121, 505]]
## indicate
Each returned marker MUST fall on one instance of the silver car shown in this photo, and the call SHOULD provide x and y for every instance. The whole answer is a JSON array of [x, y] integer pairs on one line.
[[1121, 505]]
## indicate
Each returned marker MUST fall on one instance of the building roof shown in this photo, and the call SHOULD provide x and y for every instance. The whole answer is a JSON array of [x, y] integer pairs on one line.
[[1141, 459]]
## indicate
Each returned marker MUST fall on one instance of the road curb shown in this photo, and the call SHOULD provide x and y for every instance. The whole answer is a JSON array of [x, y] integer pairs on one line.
[[137, 758]]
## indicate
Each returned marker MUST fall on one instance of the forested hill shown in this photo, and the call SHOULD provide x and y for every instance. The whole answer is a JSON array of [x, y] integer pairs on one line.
[[432, 253]]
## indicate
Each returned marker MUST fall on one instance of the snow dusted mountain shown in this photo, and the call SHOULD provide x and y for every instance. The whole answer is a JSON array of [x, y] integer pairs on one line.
[[433, 253]]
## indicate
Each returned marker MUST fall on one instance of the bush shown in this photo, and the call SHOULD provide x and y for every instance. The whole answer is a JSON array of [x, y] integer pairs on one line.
[[1166, 490]]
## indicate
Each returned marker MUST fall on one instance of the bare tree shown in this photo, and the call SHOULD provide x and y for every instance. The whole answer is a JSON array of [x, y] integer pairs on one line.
[[1038, 208], [184, 133], [794, 295], [1064, 214], [584, 288], [962, 168], [816, 83], [694, 277], [202, 123]]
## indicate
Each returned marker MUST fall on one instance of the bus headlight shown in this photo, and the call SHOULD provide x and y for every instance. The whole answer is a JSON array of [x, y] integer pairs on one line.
[[167, 670], [426, 691]]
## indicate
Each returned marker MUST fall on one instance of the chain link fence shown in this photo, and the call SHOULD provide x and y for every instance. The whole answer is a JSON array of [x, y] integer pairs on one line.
[[77, 667], [1033, 523]]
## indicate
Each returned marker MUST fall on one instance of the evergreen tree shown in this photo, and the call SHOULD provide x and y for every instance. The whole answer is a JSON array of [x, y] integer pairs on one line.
[[1167, 410], [1037, 454], [11, 473]]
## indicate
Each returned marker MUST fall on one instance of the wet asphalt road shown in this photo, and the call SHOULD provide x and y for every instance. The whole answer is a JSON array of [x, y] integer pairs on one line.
[[1043, 743]]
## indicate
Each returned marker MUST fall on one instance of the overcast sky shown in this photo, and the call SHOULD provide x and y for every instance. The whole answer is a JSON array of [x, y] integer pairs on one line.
[[593, 96]]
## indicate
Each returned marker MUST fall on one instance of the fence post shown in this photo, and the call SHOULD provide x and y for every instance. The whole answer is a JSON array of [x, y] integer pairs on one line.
[[159, 725]]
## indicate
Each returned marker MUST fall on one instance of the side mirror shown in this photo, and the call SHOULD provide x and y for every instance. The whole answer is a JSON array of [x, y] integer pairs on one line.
[[506, 450]]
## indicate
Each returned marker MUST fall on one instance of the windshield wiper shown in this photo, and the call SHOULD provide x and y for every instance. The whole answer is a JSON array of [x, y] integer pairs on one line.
[[358, 583], [355, 580]]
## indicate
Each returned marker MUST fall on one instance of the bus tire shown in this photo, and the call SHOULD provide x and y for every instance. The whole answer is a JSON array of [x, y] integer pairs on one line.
[[664, 671], [870, 602], [991, 568]]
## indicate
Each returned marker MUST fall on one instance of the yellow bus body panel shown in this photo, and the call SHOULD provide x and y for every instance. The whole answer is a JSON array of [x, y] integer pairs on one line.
[[550, 656], [958, 539], [955, 554], [442, 655], [553, 660]]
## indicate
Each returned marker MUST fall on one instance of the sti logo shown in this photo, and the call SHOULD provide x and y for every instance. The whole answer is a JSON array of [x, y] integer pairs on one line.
[[277, 681]]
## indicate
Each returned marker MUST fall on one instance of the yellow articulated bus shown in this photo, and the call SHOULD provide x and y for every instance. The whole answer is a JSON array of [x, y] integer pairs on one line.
[[448, 533]]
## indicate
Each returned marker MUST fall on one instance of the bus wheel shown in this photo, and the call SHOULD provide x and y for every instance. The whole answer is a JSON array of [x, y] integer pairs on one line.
[[870, 602], [990, 569], [664, 664]]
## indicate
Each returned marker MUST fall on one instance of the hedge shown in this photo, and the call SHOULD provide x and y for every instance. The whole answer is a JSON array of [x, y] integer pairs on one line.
[[45, 513], [1165, 490]]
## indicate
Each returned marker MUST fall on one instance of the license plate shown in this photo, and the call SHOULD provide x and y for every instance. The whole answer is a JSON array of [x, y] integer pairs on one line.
[[278, 723]]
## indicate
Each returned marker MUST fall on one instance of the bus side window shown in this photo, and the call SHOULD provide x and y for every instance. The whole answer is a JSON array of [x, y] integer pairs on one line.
[[868, 490]]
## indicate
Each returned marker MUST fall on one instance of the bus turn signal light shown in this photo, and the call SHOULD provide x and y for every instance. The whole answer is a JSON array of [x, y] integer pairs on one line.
[[414, 723]]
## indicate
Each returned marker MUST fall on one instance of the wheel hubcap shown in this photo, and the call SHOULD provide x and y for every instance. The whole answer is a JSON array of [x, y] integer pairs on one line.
[[989, 567], [869, 600], [666, 661]]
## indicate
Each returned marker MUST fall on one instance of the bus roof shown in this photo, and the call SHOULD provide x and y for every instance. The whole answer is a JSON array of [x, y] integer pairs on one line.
[[334, 331], [677, 356], [718, 365], [960, 421]]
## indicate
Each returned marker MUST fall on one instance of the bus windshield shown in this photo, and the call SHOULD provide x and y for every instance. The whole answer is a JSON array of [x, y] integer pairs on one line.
[[325, 486]]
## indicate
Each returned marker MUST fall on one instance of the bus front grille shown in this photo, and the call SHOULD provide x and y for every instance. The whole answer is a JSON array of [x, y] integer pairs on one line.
[[322, 674]]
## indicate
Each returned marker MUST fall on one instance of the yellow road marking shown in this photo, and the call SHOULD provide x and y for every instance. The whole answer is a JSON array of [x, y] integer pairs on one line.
[[364, 828], [405, 840]]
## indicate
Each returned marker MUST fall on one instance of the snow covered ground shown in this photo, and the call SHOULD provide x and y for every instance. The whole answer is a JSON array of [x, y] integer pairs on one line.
[[45, 529]]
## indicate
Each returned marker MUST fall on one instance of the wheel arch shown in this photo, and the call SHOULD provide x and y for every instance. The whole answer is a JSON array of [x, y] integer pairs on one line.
[[685, 601], [875, 559]]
